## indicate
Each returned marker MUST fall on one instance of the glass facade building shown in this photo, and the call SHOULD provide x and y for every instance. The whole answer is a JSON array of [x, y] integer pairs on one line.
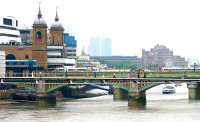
[[70, 46], [106, 47], [70, 40], [94, 47], [100, 47]]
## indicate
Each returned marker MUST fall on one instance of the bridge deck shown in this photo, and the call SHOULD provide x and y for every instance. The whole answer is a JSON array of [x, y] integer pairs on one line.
[[97, 79]]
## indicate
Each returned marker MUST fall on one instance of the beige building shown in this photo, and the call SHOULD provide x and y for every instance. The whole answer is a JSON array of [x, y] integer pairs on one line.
[[161, 56]]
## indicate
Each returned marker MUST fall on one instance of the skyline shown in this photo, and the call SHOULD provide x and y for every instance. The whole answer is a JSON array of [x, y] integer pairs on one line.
[[134, 24]]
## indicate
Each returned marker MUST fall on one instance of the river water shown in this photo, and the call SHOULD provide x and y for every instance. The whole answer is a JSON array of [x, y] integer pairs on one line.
[[160, 108]]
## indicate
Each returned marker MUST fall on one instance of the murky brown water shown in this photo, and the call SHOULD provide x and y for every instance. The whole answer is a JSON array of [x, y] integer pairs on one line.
[[160, 108]]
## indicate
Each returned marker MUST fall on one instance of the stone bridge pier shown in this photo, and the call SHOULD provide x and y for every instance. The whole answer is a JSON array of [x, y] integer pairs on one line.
[[130, 91], [134, 91], [137, 91], [120, 94], [194, 90], [43, 98], [136, 98]]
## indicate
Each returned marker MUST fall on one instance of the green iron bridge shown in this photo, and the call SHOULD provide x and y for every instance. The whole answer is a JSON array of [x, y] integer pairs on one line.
[[131, 89]]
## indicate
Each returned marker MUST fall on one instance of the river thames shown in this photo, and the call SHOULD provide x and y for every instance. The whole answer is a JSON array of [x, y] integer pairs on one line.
[[160, 108]]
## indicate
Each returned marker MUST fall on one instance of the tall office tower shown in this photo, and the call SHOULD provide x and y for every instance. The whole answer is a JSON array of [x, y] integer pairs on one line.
[[100, 47], [106, 47], [94, 47]]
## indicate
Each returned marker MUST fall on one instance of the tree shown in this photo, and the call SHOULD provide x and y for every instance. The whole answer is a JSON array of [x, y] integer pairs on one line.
[[120, 64]]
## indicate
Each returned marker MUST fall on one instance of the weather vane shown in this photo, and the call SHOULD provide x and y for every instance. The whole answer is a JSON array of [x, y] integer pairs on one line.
[[40, 3], [39, 13]]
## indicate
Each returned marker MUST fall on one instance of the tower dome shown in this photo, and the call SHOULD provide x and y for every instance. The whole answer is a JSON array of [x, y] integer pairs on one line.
[[57, 24], [39, 21]]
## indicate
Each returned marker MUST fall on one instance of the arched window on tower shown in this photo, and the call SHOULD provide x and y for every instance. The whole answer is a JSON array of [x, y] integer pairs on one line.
[[38, 36], [53, 39]]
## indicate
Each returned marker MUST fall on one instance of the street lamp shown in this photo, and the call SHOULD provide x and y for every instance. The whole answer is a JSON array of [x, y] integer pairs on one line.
[[195, 66]]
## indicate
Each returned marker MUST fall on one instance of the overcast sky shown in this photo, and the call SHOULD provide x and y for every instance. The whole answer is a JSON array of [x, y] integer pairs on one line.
[[131, 24]]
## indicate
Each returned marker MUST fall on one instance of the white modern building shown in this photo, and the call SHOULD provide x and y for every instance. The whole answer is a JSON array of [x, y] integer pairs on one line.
[[84, 63], [9, 33], [56, 58]]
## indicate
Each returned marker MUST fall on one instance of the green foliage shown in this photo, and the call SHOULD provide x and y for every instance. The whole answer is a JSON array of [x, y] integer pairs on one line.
[[79, 65], [121, 64]]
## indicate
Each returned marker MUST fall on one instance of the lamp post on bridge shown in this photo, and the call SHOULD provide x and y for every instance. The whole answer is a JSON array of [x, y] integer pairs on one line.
[[195, 67]]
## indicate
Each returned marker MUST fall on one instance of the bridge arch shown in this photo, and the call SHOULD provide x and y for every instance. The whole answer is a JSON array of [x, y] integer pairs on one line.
[[55, 88], [49, 88], [148, 86]]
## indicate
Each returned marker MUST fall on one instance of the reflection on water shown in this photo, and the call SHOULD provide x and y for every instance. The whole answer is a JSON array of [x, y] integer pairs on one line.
[[160, 108]]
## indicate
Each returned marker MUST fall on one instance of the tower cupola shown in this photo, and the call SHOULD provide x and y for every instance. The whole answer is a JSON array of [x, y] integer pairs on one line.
[[39, 21], [57, 24]]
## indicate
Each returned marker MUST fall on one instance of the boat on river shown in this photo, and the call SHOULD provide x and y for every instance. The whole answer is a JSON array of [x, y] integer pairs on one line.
[[168, 90]]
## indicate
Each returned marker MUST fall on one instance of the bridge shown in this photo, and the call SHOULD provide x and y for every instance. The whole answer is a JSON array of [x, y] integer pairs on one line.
[[131, 89]]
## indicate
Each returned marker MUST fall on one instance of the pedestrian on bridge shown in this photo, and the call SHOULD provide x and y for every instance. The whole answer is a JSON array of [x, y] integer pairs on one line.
[[114, 76]]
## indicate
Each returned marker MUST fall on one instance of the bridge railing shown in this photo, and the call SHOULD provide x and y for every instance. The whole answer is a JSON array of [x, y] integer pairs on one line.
[[173, 74], [169, 74], [70, 74]]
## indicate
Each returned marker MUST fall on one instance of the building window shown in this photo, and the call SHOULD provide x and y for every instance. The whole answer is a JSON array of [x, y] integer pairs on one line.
[[7, 21], [16, 23], [26, 56]]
